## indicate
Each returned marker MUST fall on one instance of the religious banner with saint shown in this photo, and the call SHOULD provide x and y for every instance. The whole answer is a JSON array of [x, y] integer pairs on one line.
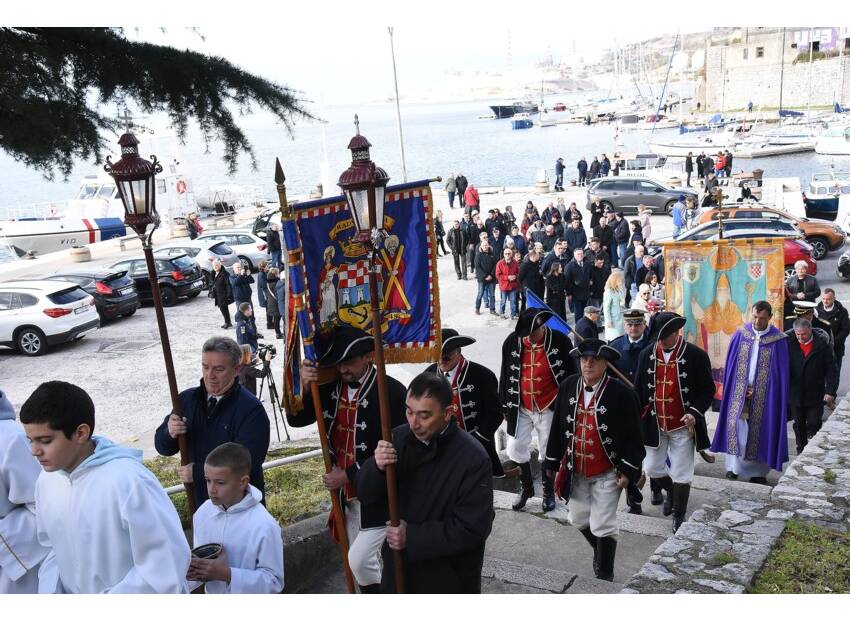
[[713, 284]]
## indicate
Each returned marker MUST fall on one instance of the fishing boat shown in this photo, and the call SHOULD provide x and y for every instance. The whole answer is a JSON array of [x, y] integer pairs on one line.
[[828, 196], [509, 110], [521, 121], [835, 141]]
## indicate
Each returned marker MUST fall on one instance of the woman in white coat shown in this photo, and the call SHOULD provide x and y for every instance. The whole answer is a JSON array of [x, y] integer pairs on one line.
[[613, 305]]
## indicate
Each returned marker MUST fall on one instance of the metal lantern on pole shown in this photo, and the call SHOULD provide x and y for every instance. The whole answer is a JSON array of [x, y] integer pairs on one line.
[[136, 181], [364, 185]]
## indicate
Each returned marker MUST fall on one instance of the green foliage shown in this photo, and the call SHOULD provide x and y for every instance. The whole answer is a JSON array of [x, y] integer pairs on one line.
[[56, 82], [807, 559], [723, 558], [293, 491], [829, 475]]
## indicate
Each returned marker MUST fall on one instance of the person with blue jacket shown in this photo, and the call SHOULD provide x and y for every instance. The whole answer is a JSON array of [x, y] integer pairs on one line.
[[246, 328], [217, 411], [241, 283], [678, 214]]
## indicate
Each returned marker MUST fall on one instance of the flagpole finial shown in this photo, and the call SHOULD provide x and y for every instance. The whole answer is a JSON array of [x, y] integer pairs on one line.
[[356, 125], [279, 177]]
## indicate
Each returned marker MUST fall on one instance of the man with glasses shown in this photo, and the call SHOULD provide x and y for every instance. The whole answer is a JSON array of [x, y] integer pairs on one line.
[[475, 396]]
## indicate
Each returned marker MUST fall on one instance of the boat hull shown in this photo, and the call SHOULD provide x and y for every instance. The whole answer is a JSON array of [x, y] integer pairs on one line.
[[45, 236], [829, 146], [507, 111]]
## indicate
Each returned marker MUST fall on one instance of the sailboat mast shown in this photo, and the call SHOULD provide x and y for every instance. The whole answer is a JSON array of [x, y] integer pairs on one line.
[[781, 74]]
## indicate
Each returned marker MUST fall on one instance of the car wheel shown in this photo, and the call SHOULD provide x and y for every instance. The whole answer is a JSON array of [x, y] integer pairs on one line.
[[168, 296], [31, 341], [789, 271], [820, 247], [668, 208], [246, 264]]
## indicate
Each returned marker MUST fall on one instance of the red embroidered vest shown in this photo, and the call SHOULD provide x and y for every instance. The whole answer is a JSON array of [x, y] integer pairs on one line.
[[590, 457], [538, 387], [668, 398], [343, 435]]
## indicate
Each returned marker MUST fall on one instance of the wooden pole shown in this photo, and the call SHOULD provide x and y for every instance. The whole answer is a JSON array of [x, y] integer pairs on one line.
[[336, 507]]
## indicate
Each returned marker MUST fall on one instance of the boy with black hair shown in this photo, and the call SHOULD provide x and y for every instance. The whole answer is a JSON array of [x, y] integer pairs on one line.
[[108, 523], [251, 561], [20, 552]]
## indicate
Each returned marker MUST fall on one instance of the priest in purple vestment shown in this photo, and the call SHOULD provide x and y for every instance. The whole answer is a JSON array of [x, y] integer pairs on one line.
[[751, 429]]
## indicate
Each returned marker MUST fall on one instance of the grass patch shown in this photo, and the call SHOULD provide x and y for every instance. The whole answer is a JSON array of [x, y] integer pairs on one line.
[[807, 559], [829, 475], [723, 558], [293, 492]]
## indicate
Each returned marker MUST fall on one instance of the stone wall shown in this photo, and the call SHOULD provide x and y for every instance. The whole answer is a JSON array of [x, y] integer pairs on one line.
[[722, 547]]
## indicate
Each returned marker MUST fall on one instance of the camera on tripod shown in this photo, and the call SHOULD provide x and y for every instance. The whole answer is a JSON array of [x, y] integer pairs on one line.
[[266, 348]]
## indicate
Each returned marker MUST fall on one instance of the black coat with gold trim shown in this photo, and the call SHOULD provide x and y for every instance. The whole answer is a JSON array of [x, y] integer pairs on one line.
[[695, 383], [557, 346], [368, 426], [478, 392], [617, 421]]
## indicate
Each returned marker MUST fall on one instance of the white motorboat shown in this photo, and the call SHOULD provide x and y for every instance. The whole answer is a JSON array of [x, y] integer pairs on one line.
[[835, 141], [693, 143], [755, 147]]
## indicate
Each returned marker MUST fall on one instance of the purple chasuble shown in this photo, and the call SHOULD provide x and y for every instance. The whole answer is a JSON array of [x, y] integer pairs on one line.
[[768, 439]]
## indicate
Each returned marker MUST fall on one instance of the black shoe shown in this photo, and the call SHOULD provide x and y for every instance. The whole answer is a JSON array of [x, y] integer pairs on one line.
[[759, 480], [592, 540], [374, 588], [730, 475], [606, 550], [681, 493], [526, 491], [548, 493], [228, 326], [635, 509]]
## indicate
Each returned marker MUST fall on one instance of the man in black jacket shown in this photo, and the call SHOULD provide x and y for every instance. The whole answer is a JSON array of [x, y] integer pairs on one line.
[[462, 184], [218, 411], [689, 167], [531, 277], [241, 283], [445, 495], [605, 233], [475, 394], [587, 327], [273, 244], [813, 380], [559, 174], [457, 242], [350, 407], [598, 278], [559, 254], [582, 172], [485, 274], [621, 238], [578, 275], [834, 313], [596, 212], [575, 236]]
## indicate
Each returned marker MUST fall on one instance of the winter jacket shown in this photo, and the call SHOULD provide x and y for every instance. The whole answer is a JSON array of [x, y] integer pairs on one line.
[[621, 231], [261, 288], [503, 271], [556, 294], [485, 265], [598, 278], [582, 166], [531, 278], [575, 238], [578, 279], [461, 183], [241, 286], [808, 286], [451, 185], [222, 291], [246, 331], [456, 239], [470, 197], [273, 241], [272, 307], [839, 324], [811, 376]]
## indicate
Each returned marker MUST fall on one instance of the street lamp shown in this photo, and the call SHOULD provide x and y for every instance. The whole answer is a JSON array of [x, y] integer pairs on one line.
[[135, 178], [364, 185]]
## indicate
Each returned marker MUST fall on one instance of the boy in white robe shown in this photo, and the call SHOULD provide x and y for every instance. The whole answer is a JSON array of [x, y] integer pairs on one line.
[[252, 559], [20, 552], [108, 521]]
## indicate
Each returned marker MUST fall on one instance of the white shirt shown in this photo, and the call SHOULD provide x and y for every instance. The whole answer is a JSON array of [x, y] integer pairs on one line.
[[754, 355], [586, 396], [252, 540], [111, 528], [20, 552]]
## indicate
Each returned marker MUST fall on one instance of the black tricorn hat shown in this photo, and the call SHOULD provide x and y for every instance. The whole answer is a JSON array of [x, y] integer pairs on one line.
[[452, 340], [594, 347], [347, 342], [531, 319], [666, 323]]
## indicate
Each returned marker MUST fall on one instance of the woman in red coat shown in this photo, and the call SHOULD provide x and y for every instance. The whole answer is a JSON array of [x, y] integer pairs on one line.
[[507, 275]]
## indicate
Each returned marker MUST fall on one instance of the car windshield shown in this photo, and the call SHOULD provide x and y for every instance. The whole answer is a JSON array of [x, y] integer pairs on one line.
[[221, 249], [183, 262], [68, 296]]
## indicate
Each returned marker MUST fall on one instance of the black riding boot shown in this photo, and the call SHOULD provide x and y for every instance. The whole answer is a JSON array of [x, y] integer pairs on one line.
[[526, 491], [666, 484], [606, 549], [681, 493], [548, 493], [592, 540], [655, 488]]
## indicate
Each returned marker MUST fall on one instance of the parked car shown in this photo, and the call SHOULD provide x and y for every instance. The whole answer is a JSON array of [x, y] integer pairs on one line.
[[179, 277], [824, 236], [626, 193], [249, 248], [38, 314], [203, 252], [795, 247], [114, 291]]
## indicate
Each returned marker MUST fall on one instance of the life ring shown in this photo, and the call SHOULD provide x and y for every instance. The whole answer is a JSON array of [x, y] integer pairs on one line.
[[180, 186]]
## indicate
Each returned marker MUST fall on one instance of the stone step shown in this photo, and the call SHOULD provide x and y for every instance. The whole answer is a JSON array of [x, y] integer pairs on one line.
[[506, 577]]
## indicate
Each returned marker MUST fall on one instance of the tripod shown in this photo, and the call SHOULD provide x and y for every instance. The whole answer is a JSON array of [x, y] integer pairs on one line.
[[273, 395]]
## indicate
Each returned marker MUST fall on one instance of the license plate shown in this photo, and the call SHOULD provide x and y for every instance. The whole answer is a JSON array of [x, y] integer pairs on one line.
[[198, 284], [126, 291], [81, 309]]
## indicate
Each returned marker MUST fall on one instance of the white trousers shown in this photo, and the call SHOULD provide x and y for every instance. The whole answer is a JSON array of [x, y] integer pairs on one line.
[[679, 447], [528, 423], [738, 464], [364, 547], [593, 502]]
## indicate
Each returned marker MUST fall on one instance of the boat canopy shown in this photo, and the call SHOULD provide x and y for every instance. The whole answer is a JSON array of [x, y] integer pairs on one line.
[[786, 113]]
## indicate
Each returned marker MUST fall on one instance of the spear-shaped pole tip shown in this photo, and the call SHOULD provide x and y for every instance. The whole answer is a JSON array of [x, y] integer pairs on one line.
[[356, 125], [279, 177]]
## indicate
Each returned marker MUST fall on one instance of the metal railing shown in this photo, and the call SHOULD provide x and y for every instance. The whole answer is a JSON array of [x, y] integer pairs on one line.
[[286, 460]]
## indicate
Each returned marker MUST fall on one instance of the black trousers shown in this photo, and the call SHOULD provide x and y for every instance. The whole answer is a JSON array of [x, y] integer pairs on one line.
[[470, 255], [460, 265], [225, 312], [807, 422]]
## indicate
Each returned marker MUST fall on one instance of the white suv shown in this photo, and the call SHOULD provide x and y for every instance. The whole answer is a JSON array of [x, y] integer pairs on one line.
[[250, 248], [35, 315]]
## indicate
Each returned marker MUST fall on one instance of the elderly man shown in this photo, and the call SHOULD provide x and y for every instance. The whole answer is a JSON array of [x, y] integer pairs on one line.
[[578, 275], [835, 314], [588, 325], [633, 262], [445, 495], [595, 447], [755, 392], [632, 343], [457, 241], [801, 285], [216, 412], [549, 239], [813, 382], [353, 419], [575, 236]]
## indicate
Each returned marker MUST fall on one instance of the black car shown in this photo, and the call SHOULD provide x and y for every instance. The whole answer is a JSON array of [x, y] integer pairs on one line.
[[179, 276], [113, 290]]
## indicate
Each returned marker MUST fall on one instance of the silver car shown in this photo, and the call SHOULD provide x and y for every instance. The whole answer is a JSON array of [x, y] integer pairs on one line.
[[626, 193], [249, 248], [204, 252]]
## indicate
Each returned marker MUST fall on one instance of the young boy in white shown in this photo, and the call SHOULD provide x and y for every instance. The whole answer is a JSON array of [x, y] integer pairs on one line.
[[107, 519], [252, 559], [20, 552]]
